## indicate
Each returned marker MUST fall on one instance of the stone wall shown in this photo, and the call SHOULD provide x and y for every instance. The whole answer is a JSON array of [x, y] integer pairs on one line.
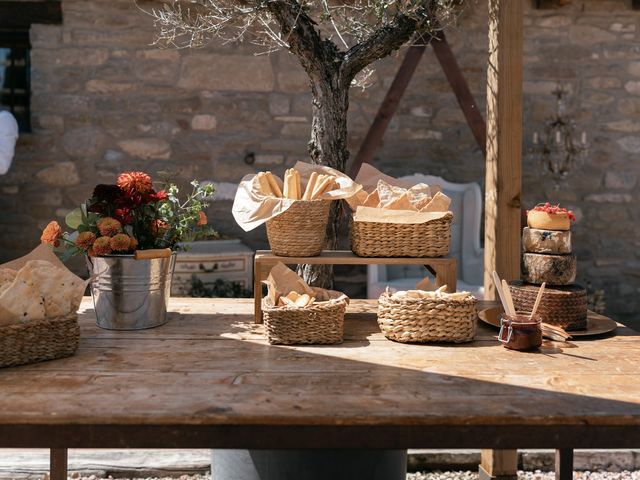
[[105, 99]]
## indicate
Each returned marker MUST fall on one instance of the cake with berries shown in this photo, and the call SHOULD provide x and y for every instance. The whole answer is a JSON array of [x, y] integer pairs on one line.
[[547, 258]]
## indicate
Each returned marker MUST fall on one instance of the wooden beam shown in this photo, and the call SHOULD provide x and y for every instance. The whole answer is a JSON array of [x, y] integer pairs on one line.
[[58, 464], [20, 15], [504, 143], [456, 79], [373, 140]]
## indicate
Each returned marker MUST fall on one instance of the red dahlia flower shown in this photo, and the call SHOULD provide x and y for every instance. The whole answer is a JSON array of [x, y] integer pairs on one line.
[[135, 183]]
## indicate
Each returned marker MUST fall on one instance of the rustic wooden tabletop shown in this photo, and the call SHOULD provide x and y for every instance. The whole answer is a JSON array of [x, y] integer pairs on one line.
[[209, 379]]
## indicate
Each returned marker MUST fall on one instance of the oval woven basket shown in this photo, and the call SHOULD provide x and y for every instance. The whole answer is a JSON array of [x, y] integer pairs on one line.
[[374, 239], [418, 320], [301, 230], [38, 340], [320, 323], [564, 306]]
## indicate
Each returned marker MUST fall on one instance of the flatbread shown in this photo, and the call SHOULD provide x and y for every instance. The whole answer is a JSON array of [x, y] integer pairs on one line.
[[388, 193], [372, 200], [419, 194], [21, 302], [7, 276], [400, 203], [62, 290]]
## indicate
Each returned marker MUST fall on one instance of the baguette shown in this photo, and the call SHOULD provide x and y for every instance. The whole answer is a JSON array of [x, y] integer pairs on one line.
[[310, 186], [265, 188], [297, 181], [322, 186], [288, 191], [293, 295], [273, 184]]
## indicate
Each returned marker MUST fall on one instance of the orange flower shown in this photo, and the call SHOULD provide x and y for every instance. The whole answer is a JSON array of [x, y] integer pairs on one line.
[[120, 242], [51, 234], [203, 218], [109, 226], [85, 240], [158, 227], [137, 182], [133, 243], [102, 246]]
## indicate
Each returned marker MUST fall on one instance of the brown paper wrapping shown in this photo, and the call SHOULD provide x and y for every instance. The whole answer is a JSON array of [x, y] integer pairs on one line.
[[282, 280], [251, 208]]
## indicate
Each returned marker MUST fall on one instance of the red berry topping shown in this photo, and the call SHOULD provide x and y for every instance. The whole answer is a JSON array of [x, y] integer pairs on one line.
[[553, 210]]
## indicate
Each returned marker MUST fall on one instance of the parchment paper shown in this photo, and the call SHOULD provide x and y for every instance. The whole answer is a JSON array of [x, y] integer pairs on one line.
[[282, 280], [251, 208]]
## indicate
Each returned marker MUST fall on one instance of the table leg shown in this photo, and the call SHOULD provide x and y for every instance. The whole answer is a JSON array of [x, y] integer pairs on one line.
[[257, 291], [498, 465], [58, 464], [564, 464]]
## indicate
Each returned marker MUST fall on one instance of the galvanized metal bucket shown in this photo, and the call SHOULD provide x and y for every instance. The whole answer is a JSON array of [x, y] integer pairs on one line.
[[130, 294]]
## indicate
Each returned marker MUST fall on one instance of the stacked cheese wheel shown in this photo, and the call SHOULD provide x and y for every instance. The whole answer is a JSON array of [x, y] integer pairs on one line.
[[547, 258]]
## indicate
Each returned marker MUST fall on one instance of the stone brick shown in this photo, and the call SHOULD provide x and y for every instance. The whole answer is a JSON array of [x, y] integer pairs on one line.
[[543, 88], [204, 122], [102, 87], [62, 174], [159, 54], [268, 160], [624, 126], [622, 27], [633, 87], [588, 35], [630, 144], [279, 104], [629, 106], [554, 21], [227, 72], [620, 180], [605, 82], [157, 72], [49, 122], [609, 198], [147, 148], [83, 142], [73, 57]]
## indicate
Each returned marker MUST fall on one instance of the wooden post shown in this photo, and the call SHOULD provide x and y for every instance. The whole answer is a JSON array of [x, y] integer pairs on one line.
[[503, 175], [564, 464], [58, 464], [504, 143], [498, 464]]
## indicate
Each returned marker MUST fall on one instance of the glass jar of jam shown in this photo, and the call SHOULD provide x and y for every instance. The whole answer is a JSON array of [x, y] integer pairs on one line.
[[520, 332]]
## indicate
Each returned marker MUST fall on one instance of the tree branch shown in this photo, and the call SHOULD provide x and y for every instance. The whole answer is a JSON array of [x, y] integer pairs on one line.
[[379, 44], [299, 30]]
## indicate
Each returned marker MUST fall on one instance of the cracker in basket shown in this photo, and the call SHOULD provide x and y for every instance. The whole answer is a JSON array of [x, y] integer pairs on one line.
[[372, 200], [419, 194], [439, 203], [400, 203], [21, 301], [62, 290], [388, 193]]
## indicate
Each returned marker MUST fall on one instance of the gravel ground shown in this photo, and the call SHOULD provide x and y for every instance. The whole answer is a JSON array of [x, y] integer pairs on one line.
[[537, 475]]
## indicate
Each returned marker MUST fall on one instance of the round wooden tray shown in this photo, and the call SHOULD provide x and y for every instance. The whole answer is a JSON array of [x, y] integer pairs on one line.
[[596, 324]]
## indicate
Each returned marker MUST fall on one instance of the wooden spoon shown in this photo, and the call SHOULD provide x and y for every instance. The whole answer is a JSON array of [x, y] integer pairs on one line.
[[538, 299]]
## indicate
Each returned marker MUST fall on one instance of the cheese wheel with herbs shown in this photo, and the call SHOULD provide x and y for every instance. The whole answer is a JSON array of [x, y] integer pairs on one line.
[[535, 240], [548, 221], [552, 269]]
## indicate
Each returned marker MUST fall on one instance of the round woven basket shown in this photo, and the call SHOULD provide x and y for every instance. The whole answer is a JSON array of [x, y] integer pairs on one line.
[[38, 340], [417, 320], [564, 306], [301, 230], [374, 239], [320, 323]]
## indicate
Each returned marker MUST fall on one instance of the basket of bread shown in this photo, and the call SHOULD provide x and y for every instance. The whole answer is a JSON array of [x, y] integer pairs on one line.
[[295, 208], [418, 316], [39, 299], [394, 219], [296, 314]]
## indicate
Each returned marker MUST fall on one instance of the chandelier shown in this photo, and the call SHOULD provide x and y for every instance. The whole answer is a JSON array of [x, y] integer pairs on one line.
[[556, 150]]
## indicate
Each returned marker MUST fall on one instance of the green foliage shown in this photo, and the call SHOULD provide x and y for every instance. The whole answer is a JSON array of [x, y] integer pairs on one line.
[[219, 289]]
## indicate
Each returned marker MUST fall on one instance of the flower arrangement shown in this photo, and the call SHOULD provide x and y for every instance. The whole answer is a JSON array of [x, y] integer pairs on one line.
[[132, 215]]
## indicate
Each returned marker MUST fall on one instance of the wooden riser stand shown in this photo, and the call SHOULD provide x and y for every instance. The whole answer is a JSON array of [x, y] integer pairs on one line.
[[444, 268]]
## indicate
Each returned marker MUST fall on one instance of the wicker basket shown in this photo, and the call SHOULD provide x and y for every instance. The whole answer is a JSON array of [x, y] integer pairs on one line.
[[38, 340], [301, 230], [564, 306], [430, 239], [320, 323], [416, 320]]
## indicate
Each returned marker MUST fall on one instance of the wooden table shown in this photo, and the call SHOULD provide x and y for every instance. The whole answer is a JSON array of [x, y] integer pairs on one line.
[[444, 268], [208, 379]]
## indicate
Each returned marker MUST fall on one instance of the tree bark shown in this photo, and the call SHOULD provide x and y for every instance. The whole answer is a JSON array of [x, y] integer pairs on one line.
[[328, 146]]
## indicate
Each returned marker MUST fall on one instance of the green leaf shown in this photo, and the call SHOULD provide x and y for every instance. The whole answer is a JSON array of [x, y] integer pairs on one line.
[[74, 218]]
